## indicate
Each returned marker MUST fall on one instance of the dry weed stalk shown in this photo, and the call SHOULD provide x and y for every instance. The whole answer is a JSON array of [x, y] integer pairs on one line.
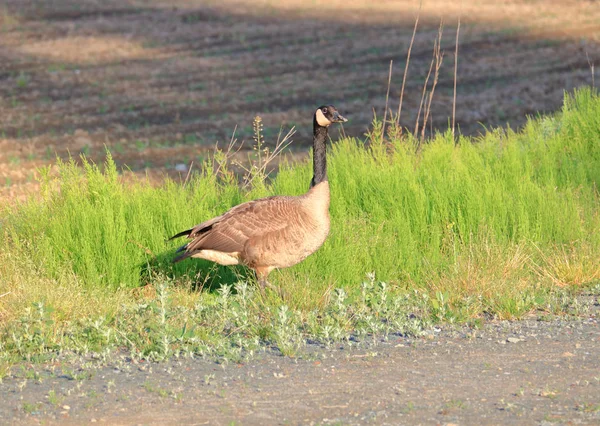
[[406, 66], [257, 169], [189, 174], [438, 56], [254, 169], [423, 96], [455, 76], [223, 158], [592, 69], [426, 98], [387, 97]]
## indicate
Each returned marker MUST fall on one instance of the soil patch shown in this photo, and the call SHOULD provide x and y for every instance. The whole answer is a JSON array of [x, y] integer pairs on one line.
[[159, 83]]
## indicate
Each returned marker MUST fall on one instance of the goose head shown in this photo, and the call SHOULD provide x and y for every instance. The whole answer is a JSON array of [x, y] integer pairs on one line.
[[326, 115]]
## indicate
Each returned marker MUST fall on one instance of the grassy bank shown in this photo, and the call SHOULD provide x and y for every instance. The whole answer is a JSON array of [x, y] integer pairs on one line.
[[500, 227]]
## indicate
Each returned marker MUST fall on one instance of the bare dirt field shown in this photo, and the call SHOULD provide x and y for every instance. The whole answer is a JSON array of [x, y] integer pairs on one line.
[[160, 83]]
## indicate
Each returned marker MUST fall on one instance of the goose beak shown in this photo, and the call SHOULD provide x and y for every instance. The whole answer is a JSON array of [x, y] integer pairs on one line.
[[337, 118]]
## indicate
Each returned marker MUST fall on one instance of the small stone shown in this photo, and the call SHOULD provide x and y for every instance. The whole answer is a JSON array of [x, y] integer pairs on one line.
[[66, 407], [513, 340], [93, 420], [181, 167]]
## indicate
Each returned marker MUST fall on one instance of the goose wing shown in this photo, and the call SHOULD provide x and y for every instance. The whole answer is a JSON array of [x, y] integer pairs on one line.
[[230, 232]]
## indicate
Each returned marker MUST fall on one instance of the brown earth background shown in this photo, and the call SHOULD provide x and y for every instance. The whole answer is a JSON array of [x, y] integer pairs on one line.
[[160, 82]]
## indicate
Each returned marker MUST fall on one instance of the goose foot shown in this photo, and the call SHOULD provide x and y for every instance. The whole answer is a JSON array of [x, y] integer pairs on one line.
[[264, 284]]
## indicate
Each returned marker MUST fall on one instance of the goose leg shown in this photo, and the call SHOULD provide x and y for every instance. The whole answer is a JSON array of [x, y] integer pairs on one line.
[[264, 284], [261, 275]]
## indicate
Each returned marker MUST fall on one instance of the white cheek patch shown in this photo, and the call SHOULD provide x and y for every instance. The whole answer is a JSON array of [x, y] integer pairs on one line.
[[321, 119]]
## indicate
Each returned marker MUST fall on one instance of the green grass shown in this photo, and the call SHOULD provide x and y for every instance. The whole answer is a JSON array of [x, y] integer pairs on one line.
[[499, 226]]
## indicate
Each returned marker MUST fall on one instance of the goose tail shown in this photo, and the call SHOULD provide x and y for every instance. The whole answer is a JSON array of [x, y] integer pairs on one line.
[[181, 234], [182, 256]]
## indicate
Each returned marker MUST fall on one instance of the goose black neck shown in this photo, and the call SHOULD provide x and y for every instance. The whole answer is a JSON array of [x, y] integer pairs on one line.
[[319, 154]]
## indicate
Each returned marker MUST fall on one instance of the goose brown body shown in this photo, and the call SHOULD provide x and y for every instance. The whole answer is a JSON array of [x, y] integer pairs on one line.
[[273, 232]]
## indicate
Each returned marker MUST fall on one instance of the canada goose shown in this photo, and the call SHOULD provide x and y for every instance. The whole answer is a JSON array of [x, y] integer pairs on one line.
[[272, 232]]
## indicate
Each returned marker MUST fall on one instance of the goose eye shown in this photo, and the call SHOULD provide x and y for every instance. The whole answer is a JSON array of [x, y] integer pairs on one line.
[[324, 110]]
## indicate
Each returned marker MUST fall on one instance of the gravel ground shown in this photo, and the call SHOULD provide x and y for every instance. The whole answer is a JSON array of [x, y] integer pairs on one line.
[[525, 372]]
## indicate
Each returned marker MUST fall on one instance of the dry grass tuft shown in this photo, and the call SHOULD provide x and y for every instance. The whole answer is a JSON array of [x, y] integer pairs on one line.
[[24, 283], [568, 266]]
